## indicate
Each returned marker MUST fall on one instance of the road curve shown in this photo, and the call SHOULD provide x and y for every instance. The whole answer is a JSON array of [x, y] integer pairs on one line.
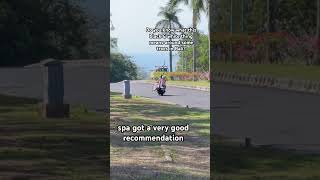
[[181, 96]]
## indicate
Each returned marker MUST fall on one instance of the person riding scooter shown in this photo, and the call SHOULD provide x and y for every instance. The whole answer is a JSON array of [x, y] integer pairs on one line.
[[161, 85], [162, 81]]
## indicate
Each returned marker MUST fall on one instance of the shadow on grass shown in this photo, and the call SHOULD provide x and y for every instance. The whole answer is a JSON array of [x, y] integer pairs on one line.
[[232, 160], [32, 147], [156, 109], [148, 112], [16, 101], [140, 172]]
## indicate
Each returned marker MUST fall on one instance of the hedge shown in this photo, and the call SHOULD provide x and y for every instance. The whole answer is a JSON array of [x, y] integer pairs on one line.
[[182, 76]]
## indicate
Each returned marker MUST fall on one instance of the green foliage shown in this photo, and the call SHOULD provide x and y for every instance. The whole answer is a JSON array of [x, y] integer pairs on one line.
[[122, 68], [296, 16], [185, 57], [181, 76], [288, 36], [35, 30], [169, 20]]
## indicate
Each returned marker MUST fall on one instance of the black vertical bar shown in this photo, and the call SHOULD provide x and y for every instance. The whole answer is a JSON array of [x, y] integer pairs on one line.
[[108, 86], [211, 30]]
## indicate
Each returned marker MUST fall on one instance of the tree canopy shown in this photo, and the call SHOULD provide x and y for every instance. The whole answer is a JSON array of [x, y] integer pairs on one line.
[[32, 30], [185, 61]]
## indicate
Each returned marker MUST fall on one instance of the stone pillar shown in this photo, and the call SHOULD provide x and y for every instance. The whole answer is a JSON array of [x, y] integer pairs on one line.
[[126, 89], [53, 91]]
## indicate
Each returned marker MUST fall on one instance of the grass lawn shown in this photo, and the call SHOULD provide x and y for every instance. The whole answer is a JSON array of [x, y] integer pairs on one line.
[[147, 160], [36, 148], [233, 162], [275, 70], [190, 83], [187, 83]]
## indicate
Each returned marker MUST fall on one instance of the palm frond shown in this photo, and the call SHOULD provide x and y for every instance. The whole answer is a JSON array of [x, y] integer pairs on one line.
[[175, 3], [163, 23], [169, 17]]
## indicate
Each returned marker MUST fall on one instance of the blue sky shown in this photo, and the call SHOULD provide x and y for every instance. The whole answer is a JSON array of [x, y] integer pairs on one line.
[[130, 19]]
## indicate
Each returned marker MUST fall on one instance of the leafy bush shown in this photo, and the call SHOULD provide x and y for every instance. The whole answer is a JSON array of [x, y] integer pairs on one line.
[[253, 48], [182, 76]]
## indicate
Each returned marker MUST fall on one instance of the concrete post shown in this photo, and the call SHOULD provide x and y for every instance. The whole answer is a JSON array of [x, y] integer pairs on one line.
[[126, 89], [53, 91]]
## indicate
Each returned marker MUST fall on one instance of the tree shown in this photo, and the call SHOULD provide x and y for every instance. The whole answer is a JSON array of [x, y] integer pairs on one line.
[[122, 68], [185, 57], [197, 6], [35, 30], [169, 20]]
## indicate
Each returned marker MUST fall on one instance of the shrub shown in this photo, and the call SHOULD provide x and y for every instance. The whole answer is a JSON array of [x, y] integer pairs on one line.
[[182, 76]]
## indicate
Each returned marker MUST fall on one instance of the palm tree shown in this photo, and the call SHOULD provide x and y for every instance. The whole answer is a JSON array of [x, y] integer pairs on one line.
[[197, 6], [169, 20]]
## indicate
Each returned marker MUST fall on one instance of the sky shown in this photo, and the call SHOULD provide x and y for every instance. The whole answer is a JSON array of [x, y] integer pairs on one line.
[[130, 19]]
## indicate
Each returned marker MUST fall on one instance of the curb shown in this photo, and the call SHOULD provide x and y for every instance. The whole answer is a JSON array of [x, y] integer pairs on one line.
[[297, 85], [185, 87], [192, 87]]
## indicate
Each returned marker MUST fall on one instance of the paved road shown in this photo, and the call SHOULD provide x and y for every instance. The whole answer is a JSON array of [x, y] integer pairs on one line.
[[183, 97], [268, 116]]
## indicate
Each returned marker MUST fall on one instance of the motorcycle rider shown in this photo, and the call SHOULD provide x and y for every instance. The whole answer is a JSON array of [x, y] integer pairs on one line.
[[162, 81]]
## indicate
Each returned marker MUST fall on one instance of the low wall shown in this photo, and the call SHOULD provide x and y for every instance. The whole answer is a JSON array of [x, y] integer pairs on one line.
[[84, 83], [268, 81]]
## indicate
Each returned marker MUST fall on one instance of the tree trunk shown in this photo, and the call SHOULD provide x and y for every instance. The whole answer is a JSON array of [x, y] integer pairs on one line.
[[170, 51], [271, 26], [231, 30], [242, 16], [195, 42], [317, 53], [209, 44], [209, 33], [268, 31]]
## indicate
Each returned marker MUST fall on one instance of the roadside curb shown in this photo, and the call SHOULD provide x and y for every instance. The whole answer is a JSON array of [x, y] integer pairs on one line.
[[184, 87], [297, 85], [193, 87]]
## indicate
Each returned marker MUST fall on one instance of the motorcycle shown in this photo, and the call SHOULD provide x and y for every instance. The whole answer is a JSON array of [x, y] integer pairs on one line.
[[160, 89]]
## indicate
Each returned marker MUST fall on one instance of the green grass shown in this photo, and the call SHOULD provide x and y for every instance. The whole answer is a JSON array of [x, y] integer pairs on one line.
[[139, 110], [190, 83], [32, 147], [275, 70], [143, 110], [187, 83], [233, 162]]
